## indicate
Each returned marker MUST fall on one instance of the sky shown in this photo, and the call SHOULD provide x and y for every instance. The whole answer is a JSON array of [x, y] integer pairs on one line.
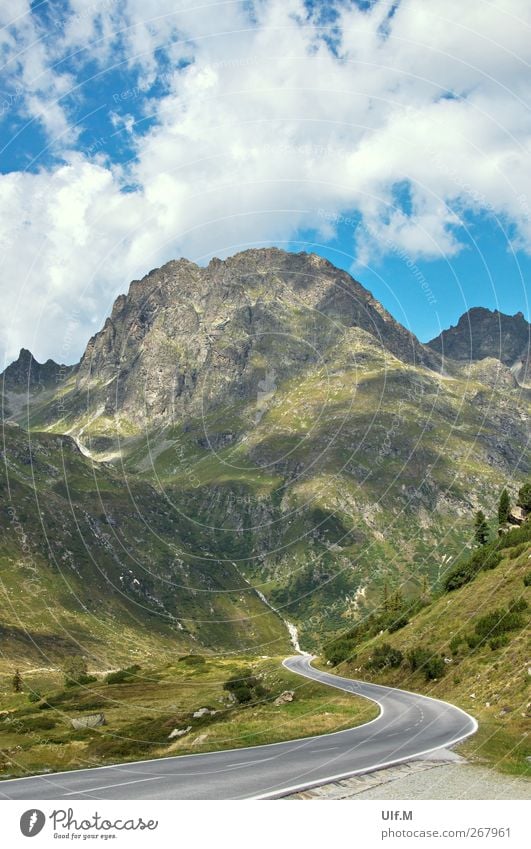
[[391, 137]]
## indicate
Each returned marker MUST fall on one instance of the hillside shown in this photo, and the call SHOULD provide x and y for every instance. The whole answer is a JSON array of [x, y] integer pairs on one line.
[[89, 565], [286, 432], [469, 646]]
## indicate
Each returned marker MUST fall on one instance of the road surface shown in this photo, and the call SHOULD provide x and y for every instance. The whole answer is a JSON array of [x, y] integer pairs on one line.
[[408, 725]]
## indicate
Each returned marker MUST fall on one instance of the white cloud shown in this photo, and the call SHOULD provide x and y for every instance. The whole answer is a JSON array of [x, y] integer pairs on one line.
[[263, 129]]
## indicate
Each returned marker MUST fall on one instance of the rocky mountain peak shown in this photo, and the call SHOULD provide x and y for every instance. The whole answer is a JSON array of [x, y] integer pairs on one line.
[[26, 373], [482, 333], [187, 338]]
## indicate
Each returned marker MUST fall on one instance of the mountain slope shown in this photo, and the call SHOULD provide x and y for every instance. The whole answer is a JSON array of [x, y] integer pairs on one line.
[[291, 431], [88, 565], [465, 646]]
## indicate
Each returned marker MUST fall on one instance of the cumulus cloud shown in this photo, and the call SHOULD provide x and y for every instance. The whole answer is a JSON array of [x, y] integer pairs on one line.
[[262, 116]]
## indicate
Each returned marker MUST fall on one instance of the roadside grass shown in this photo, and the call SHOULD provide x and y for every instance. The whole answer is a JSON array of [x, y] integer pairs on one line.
[[142, 714], [491, 680]]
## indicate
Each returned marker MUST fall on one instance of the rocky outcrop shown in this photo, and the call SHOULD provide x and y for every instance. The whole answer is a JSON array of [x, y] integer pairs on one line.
[[27, 374], [482, 333]]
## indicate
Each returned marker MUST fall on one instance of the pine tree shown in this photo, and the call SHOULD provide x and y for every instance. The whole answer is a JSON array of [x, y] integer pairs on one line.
[[17, 682], [481, 529], [504, 507]]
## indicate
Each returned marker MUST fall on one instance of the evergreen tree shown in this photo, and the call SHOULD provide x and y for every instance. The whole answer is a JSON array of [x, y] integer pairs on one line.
[[481, 529], [504, 507], [17, 682]]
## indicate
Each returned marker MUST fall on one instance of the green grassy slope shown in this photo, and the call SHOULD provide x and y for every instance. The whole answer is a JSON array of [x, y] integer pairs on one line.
[[474, 641], [142, 713], [92, 562]]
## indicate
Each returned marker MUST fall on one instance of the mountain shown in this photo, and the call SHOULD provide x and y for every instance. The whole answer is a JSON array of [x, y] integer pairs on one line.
[[287, 429], [482, 333]]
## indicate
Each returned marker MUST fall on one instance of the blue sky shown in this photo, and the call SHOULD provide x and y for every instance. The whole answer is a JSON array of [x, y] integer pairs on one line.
[[392, 139]]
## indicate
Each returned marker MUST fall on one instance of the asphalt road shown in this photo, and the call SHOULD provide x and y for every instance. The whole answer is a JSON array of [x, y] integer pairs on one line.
[[408, 725]]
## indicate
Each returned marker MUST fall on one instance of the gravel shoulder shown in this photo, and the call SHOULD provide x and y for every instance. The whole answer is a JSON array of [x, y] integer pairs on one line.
[[442, 775]]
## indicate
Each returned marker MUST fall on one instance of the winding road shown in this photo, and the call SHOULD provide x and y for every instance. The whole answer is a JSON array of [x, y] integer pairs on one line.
[[408, 725]]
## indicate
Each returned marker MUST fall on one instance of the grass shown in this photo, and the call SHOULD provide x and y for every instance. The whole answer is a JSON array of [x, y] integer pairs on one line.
[[491, 682], [142, 713]]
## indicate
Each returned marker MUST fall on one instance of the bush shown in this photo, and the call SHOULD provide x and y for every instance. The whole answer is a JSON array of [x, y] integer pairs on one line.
[[123, 676], [466, 570], [499, 642], [434, 667], [75, 667], [193, 659], [245, 686], [417, 658], [34, 697], [401, 622], [338, 651], [455, 642], [524, 496], [498, 622], [473, 640], [81, 679], [385, 657], [527, 579]]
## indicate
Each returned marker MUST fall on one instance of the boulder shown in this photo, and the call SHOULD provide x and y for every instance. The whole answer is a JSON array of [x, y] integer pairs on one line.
[[179, 732], [517, 516], [285, 697], [203, 712]]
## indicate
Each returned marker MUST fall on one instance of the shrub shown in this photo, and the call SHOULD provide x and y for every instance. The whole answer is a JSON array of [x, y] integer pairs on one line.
[[517, 605], [527, 579], [524, 496], [498, 622], [418, 657], [122, 676], [499, 642], [245, 686], [75, 667], [34, 697], [434, 667], [385, 657], [455, 642], [81, 679], [193, 659], [338, 651], [473, 640], [401, 622]]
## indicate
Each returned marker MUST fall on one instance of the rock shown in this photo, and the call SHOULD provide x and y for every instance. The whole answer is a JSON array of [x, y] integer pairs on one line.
[[472, 695], [505, 710], [203, 712], [179, 732], [199, 740], [93, 720], [285, 697], [517, 516]]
